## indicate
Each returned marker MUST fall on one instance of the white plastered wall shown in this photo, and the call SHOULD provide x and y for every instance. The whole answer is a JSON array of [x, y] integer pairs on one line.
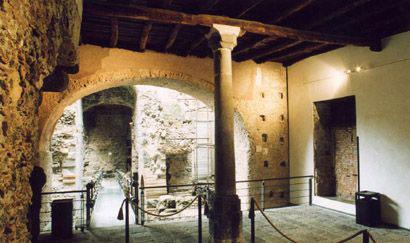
[[382, 92]]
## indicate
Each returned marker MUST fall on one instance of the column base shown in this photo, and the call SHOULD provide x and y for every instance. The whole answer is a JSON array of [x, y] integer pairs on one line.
[[225, 220]]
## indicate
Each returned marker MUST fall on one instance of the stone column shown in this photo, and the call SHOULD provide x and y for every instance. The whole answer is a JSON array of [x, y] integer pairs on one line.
[[225, 223]]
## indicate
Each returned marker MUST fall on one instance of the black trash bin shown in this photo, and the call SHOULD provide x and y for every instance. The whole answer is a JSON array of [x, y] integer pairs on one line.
[[62, 218], [368, 208]]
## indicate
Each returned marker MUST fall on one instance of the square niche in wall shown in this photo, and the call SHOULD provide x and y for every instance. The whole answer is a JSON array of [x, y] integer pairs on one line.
[[335, 148]]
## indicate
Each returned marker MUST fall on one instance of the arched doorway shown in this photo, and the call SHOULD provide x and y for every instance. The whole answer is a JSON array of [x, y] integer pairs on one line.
[[197, 88]]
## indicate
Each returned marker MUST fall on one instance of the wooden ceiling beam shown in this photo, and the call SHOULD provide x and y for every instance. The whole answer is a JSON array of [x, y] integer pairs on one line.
[[291, 61], [114, 32], [168, 16], [309, 26], [341, 11], [370, 14], [202, 39], [166, 3], [172, 37], [260, 53], [144, 36], [292, 10], [302, 51], [195, 44], [250, 6]]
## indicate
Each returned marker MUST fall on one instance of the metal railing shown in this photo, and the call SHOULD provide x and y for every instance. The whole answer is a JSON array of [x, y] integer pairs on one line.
[[83, 204], [254, 206], [79, 214], [155, 201], [275, 192], [269, 193]]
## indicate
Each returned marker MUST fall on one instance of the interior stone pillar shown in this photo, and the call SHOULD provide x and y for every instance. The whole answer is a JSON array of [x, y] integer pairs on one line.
[[225, 224]]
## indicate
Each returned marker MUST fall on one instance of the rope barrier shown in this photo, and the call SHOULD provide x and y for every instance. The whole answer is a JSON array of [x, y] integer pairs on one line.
[[357, 234], [352, 236], [371, 237], [167, 215], [270, 222]]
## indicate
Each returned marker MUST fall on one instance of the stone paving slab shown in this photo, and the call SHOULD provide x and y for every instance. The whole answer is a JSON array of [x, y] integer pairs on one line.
[[302, 223]]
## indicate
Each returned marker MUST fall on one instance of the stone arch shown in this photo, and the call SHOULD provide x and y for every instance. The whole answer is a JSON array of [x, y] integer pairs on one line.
[[55, 104], [121, 96]]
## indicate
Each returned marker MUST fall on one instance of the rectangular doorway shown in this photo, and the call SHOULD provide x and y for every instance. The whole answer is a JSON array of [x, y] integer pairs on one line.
[[178, 171], [335, 149]]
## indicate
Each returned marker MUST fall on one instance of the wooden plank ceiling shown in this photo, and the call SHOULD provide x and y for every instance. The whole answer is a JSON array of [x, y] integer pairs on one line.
[[283, 31]]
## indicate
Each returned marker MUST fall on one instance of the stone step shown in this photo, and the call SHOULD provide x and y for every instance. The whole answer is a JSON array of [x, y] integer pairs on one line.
[[68, 164], [68, 176], [68, 181]]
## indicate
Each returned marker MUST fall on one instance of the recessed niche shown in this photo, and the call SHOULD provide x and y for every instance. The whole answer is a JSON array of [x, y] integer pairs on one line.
[[282, 194], [282, 163], [335, 148], [262, 94], [282, 117], [264, 137], [281, 95], [282, 140], [266, 163], [263, 117]]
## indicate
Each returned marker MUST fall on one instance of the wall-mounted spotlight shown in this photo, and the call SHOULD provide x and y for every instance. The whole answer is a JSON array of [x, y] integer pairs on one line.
[[358, 69]]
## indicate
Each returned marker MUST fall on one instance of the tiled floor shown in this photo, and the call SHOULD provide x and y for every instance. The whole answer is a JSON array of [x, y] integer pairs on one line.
[[107, 205], [302, 223]]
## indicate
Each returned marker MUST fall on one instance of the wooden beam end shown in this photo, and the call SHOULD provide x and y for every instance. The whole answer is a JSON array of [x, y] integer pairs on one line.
[[57, 81], [376, 46], [71, 69]]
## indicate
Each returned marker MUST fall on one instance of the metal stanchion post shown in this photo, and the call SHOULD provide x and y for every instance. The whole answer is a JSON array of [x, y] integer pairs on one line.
[[127, 221], [136, 195], [127, 218], [263, 195], [365, 236], [142, 200], [310, 191], [199, 219], [88, 204], [252, 217]]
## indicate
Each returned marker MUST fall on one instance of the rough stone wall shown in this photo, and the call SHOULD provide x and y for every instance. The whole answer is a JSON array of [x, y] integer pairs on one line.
[[345, 162], [67, 146], [323, 152], [179, 170], [335, 149], [162, 129], [35, 37], [107, 131], [65, 149], [124, 95]]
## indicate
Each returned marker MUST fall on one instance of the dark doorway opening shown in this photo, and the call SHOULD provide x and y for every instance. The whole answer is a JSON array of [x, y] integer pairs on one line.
[[108, 139], [335, 148]]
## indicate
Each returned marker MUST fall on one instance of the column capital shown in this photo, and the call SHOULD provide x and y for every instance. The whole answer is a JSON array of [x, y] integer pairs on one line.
[[223, 36]]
